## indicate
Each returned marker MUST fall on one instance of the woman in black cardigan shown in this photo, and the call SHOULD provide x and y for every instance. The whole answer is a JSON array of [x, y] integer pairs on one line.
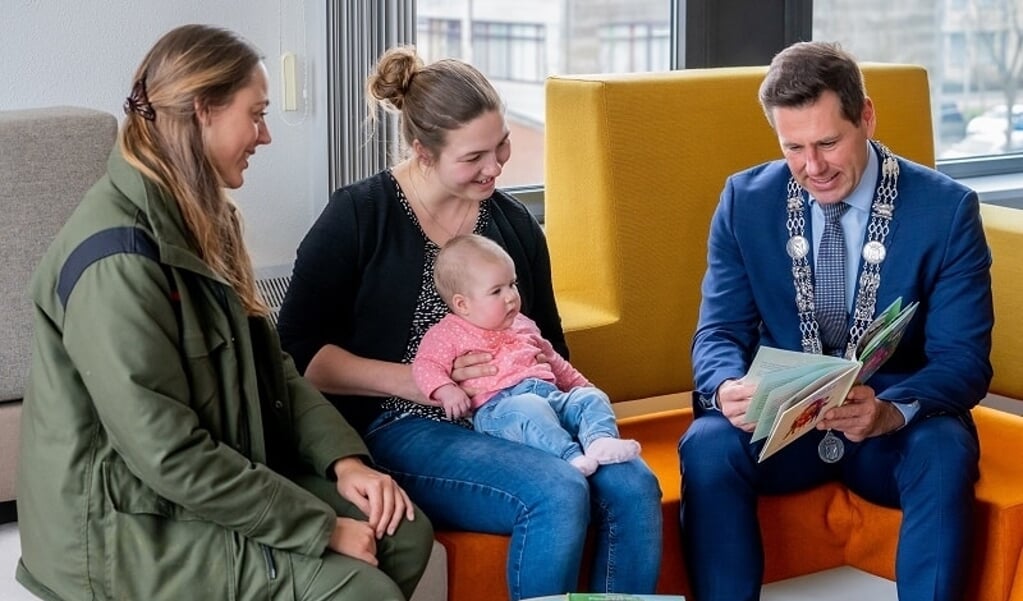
[[362, 296]]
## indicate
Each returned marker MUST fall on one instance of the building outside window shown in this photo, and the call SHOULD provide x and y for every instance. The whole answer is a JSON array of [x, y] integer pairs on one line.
[[511, 51], [439, 38], [972, 50], [973, 55], [631, 47]]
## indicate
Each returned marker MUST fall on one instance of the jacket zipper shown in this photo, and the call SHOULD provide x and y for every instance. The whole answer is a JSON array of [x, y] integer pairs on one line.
[[271, 569]]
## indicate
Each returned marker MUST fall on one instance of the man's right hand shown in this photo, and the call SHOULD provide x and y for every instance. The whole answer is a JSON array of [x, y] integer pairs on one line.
[[354, 539], [733, 400]]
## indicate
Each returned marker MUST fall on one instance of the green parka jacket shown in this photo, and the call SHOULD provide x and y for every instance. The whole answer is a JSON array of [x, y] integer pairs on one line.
[[144, 442]]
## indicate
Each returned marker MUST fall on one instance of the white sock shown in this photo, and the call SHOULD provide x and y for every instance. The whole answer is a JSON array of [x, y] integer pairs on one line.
[[612, 450], [586, 465]]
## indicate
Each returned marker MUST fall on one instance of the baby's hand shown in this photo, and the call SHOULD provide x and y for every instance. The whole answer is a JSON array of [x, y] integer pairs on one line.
[[454, 400]]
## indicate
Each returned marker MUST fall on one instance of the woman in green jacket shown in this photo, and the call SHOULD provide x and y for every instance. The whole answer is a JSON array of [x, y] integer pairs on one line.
[[169, 448]]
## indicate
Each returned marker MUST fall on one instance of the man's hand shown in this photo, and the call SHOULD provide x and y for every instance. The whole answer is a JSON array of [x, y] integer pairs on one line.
[[734, 399], [862, 416], [354, 539], [375, 494], [454, 400]]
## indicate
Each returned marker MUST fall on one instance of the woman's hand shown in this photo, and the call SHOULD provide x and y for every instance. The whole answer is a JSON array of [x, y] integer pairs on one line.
[[472, 365], [375, 494], [354, 539]]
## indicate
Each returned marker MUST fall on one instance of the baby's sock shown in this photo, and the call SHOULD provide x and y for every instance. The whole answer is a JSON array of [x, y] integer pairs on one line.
[[586, 465], [612, 450]]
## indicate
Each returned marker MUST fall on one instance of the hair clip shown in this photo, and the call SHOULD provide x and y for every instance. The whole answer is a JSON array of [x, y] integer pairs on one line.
[[138, 102]]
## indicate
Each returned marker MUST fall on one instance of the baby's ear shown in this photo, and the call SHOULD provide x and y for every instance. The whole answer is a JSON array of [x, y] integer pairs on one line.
[[459, 305]]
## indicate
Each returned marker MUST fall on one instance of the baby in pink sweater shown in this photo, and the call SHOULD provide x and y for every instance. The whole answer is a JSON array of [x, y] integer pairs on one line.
[[545, 403]]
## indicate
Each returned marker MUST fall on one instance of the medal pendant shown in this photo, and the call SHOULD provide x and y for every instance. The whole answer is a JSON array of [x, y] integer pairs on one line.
[[874, 252], [797, 247], [830, 448]]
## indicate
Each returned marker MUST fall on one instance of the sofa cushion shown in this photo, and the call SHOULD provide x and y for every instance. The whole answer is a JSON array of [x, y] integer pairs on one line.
[[49, 157]]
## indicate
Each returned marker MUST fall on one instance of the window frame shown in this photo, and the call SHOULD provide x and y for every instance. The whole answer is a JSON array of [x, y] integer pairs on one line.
[[703, 35]]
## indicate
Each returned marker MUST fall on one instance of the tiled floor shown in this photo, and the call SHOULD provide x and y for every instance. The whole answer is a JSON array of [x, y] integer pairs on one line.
[[10, 551]]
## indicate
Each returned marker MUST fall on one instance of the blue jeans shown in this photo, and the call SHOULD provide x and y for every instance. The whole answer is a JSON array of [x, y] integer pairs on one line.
[[464, 480], [927, 469], [537, 413]]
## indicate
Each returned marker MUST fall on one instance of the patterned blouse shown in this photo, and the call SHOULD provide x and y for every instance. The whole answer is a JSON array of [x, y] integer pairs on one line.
[[430, 309]]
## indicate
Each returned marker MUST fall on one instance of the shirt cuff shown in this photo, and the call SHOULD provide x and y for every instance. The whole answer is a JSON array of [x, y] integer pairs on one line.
[[708, 403], [908, 410]]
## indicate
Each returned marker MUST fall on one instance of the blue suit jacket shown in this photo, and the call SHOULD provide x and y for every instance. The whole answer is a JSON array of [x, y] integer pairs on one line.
[[937, 254]]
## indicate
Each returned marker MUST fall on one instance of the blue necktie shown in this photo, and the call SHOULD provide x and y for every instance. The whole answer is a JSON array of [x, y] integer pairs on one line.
[[829, 287]]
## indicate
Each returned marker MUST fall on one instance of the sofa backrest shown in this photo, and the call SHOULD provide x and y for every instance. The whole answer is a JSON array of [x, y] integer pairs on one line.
[[634, 168], [49, 157], [1004, 229]]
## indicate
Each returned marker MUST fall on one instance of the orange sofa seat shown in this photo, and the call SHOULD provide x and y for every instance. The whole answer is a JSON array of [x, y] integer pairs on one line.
[[814, 530]]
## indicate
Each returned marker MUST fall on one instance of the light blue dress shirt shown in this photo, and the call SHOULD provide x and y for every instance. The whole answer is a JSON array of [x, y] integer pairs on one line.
[[854, 226]]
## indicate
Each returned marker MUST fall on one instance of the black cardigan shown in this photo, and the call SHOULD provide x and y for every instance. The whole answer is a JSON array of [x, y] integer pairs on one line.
[[358, 273]]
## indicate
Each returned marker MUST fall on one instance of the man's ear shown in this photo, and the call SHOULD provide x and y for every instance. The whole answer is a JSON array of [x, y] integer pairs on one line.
[[460, 304]]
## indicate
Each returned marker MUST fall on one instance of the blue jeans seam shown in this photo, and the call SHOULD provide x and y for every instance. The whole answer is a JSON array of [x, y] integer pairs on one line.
[[523, 509], [609, 578]]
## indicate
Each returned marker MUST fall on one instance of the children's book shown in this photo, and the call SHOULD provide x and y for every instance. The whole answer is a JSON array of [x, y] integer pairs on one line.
[[621, 597], [794, 389]]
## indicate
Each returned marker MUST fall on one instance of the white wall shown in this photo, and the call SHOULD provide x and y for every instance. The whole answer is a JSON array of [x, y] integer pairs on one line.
[[84, 53]]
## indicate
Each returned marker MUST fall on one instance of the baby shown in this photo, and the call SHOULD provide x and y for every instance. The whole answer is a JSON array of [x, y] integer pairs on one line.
[[546, 404]]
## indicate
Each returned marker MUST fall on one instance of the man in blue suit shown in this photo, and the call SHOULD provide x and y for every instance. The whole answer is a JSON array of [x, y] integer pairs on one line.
[[904, 438]]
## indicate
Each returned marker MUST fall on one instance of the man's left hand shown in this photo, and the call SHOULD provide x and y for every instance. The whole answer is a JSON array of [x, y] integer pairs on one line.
[[862, 416]]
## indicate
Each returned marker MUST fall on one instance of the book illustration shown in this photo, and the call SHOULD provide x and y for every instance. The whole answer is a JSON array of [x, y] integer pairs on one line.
[[808, 415], [794, 389]]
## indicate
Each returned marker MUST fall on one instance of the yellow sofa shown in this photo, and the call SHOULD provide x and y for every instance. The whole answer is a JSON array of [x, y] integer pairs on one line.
[[634, 166]]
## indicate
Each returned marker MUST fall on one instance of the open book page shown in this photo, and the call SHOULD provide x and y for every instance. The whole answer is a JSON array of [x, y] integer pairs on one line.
[[778, 387], [802, 413], [794, 389], [774, 367], [876, 349], [769, 360]]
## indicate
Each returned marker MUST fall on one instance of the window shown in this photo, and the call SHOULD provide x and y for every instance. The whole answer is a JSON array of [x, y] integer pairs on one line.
[[518, 43], [439, 38], [510, 51], [632, 47], [971, 49]]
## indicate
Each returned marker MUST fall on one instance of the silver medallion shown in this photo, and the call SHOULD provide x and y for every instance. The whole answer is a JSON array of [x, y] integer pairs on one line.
[[830, 448], [797, 247], [874, 252]]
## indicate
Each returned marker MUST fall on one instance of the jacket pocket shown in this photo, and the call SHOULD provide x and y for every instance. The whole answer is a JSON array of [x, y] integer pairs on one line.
[[157, 550], [128, 494], [204, 356]]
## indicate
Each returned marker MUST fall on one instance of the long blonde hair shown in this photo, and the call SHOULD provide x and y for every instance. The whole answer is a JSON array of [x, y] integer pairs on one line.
[[162, 138]]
